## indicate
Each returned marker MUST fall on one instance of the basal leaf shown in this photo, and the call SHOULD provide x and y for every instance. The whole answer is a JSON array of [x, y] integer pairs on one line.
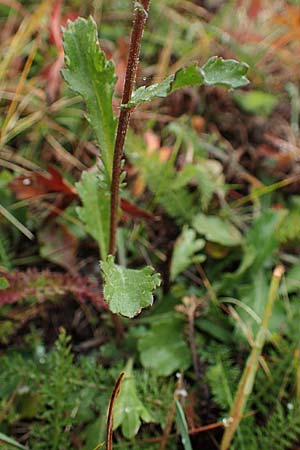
[[95, 209], [93, 77], [185, 252], [163, 348], [216, 71], [217, 230], [128, 291], [129, 411]]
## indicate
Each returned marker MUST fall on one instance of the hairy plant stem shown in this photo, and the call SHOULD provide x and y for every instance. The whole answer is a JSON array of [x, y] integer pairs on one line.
[[140, 17]]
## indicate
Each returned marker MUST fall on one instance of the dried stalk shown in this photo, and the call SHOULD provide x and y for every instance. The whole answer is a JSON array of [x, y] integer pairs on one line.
[[246, 383]]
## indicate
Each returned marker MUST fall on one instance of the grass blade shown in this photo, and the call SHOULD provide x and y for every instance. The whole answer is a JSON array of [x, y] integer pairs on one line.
[[11, 442], [182, 425], [16, 223]]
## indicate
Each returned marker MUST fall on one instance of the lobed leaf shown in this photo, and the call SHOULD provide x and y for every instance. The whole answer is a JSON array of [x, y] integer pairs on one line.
[[95, 211], [128, 291], [163, 349], [129, 411], [93, 77], [215, 72], [185, 249], [224, 72], [217, 230]]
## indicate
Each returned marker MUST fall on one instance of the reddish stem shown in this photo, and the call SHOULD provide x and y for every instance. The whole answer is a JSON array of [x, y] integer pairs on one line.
[[140, 17], [110, 418]]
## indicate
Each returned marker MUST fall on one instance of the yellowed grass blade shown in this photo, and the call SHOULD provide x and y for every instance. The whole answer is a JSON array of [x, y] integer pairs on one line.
[[28, 26], [14, 103]]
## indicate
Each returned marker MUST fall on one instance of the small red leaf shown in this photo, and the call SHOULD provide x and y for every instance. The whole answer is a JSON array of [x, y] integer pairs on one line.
[[27, 186], [35, 184], [134, 211]]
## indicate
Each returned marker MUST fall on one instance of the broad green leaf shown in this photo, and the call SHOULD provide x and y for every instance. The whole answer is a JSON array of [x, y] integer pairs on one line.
[[163, 348], [128, 291], [95, 209], [185, 249], [182, 426], [93, 77], [215, 72], [256, 102], [129, 411], [217, 230], [225, 72], [10, 442]]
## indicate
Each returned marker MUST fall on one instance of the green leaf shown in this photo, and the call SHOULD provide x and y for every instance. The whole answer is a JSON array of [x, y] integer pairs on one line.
[[289, 230], [4, 284], [93, 77], [95, 212], [222, 376], [256, 102], [11, 442], [129, 411], [215, 72], [263, 237], [163, 348], [217, 230], [128, 291], [225, 72], [182, 426], [163, 179], [185, 249], [209, 175]]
